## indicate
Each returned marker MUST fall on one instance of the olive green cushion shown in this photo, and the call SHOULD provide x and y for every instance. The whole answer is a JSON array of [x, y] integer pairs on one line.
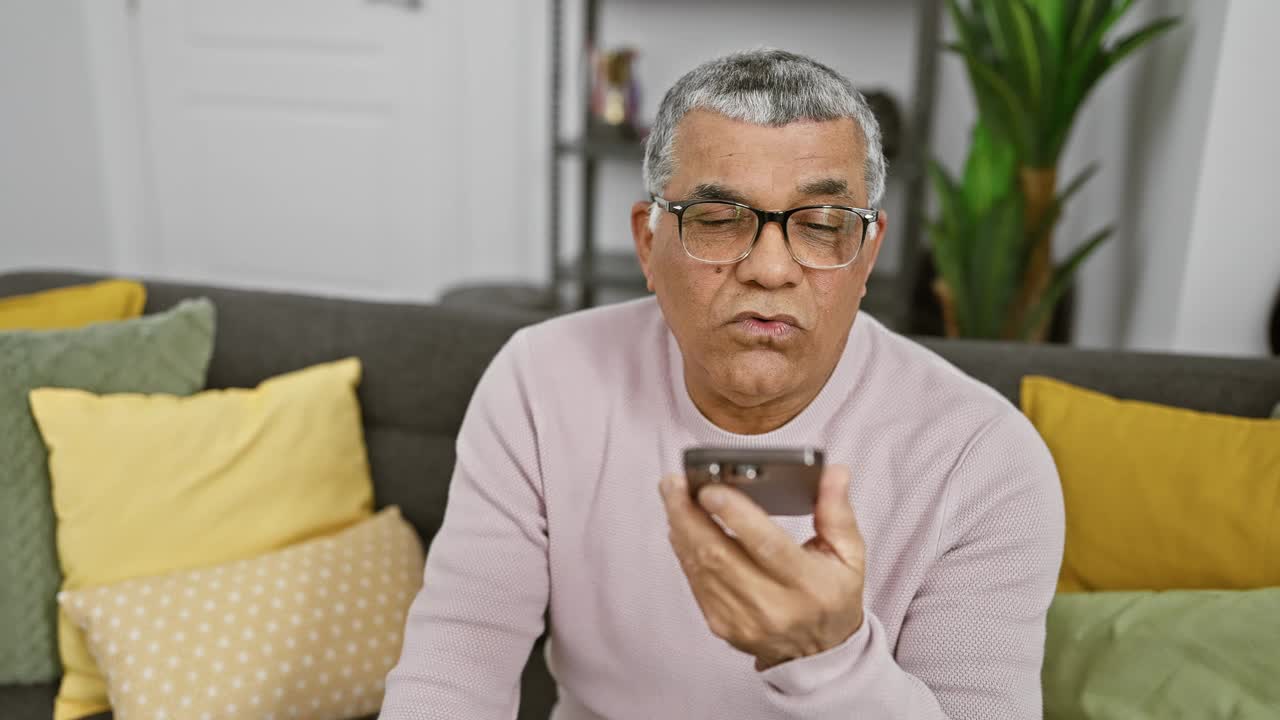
[[164, 353], [1204, 654]]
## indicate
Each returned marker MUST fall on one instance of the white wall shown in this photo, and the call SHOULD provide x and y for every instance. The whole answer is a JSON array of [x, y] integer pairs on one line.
[[1232, 270], [1167, 147], [52, 210]]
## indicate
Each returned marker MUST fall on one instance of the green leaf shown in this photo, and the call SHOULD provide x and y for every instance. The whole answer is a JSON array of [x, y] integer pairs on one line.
[[1089, 62], [1063, 276], [1000, 262], [952, 239], [1052, 16], [989, 14], [1023, 28], [1084, 77], [999, 105], [1086, 45], [1113, 17], [1083, 20], [964, 26], [1137, 39], [990, 171], [1011, 24]]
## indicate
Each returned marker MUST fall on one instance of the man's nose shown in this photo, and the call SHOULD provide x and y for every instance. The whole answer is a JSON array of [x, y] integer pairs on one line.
[[770, 264]]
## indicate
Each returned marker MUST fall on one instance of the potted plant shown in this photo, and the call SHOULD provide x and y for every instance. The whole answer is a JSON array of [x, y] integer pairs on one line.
[[1032, 65]]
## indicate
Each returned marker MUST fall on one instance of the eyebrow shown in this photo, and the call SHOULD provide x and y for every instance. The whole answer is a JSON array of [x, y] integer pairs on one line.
[[716, 191], [830, 187], [826, 186]]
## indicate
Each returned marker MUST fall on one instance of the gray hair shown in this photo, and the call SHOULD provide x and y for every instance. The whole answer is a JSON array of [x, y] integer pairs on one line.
[[762, 87]]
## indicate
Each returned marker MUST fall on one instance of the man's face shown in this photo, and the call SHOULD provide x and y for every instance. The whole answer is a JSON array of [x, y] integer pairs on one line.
[[716, 311]]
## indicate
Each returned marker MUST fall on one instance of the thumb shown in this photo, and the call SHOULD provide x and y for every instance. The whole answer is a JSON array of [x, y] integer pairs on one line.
[[833, 517]]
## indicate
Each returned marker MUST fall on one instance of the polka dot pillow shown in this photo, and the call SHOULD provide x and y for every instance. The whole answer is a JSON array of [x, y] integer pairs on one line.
[[305, 632]]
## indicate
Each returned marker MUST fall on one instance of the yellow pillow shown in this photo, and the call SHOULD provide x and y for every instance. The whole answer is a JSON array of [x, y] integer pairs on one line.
[[148, 484], [74, 306], [1157, 497], [308, 631]]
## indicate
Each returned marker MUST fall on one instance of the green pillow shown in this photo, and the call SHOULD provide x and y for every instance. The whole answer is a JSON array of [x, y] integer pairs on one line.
[[1202, 654], [164, 353]]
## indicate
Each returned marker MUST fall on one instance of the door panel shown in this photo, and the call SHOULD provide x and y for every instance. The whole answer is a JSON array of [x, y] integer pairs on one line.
[[305, 144]]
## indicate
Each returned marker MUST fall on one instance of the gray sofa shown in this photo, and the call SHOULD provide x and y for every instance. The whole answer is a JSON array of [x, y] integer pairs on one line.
[[422, 361]]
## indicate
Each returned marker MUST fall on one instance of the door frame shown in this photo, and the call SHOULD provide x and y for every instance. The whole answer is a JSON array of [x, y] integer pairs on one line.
[[112, 53]]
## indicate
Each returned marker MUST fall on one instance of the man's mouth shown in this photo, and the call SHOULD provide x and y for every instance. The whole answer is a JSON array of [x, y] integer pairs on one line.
[[762, 325]]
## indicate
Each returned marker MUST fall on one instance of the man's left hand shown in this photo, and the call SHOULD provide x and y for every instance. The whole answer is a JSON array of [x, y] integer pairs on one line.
[[759, 590]]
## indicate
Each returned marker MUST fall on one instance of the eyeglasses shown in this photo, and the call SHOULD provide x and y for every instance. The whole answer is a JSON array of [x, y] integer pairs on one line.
[[822, 237]]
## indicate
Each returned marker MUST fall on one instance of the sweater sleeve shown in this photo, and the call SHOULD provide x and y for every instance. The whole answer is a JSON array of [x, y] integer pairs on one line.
[[972, 641], [485, 587]]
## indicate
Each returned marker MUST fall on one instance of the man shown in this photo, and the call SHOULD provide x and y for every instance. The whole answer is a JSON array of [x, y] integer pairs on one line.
[[919, 586]]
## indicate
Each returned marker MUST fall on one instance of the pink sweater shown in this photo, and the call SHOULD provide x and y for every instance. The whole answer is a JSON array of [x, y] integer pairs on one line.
[[554, 505]]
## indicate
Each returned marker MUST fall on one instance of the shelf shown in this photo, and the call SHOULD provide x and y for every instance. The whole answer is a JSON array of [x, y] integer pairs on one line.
[[617, 270], [599, 147]]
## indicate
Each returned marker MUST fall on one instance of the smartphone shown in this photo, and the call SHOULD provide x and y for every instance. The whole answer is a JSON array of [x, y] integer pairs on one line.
[[783, 481]]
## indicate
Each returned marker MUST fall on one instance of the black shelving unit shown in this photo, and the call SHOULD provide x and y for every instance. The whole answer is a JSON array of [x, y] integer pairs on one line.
[[602, 148], [593, 270]]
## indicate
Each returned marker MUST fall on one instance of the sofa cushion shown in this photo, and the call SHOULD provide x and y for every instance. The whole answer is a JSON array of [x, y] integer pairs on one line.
[[147, 484], [164, 353], [308, 631], [74, 306], [1157, 497], [1202, 654]]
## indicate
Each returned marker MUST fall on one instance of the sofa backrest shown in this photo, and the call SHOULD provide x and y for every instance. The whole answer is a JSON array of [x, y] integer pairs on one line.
[[422, 362], [1246, 387]]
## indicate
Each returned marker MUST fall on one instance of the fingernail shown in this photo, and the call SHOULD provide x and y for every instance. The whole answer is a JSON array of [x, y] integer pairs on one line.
[[713, 498]]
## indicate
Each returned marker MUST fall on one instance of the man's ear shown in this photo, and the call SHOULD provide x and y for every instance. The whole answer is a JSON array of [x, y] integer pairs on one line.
[[871, 248], [875, 236], [643, 237]]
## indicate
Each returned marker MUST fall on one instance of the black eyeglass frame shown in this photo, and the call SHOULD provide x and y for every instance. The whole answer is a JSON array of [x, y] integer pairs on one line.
[[781, 217]]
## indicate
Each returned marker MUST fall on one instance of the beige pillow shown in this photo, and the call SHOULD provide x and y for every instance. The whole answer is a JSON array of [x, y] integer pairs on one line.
[[308, 631], [150, 484]]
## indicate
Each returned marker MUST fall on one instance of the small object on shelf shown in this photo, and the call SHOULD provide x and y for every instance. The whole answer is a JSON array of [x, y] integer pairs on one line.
[[615, 95]]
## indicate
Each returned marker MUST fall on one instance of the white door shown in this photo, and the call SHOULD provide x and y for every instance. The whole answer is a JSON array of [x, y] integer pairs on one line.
[[333, 145]]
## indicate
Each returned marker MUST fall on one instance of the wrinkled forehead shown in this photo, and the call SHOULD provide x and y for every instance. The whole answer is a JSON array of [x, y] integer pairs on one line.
[[804, 158]]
